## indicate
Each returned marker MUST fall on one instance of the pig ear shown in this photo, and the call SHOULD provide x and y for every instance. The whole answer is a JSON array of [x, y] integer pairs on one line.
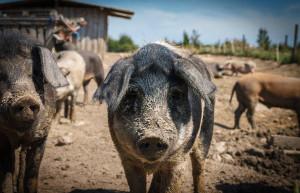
[[207, 126], [196, 75], [115, 84], [49, 68]]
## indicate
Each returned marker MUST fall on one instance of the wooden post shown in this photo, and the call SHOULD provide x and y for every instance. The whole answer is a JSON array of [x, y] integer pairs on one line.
[[294, 50], [224, 48], [286, 142], [277, 53], [286, 41], [243, 43], [232, 47], [40, 34]]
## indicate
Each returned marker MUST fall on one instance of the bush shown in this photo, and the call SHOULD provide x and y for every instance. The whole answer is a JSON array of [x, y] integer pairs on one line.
[[124, 44], [263, 39]]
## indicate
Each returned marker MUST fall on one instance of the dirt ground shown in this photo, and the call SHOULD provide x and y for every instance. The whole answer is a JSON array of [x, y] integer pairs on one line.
[[240, 161]]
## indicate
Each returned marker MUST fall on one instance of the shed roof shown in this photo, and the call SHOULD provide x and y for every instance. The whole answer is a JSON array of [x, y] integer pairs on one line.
[[117, 12]]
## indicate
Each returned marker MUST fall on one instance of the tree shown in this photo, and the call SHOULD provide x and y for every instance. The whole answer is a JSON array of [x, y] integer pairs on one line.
[[186, 39], [263, 39], [195, 39], [125, 39], [124, 44]]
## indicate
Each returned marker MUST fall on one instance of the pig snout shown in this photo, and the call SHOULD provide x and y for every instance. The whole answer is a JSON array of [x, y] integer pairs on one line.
[[152, 148], [25, 109]]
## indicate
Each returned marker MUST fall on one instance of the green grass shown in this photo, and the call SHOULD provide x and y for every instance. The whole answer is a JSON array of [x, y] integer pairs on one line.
[[284, 56]]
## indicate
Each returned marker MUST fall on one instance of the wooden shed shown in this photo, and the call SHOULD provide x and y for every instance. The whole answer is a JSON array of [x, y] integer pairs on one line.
[[35, 17]]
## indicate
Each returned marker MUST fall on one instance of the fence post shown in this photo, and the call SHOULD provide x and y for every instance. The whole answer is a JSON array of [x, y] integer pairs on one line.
[[277, 53], [232, 47], [286, 41], [224, 48], [244, 43], [294, 50]]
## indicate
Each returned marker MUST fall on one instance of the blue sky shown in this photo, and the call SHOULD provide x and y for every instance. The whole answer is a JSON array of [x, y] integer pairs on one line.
[[214, 20]]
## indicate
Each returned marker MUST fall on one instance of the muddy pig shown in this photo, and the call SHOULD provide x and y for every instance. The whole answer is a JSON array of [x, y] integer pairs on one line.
[[160, 111], [93, 64], [268, 89], [28, 78]]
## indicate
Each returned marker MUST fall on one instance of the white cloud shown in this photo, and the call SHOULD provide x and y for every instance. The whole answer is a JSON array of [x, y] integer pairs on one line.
[[150, 25]]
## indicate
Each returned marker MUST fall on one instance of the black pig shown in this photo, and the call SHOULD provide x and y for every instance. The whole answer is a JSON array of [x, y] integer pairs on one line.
[[28, 78], [158, 100]]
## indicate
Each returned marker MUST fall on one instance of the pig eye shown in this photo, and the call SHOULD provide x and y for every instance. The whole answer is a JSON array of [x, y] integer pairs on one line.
[[176, 95], [131, 101], [178, 104]]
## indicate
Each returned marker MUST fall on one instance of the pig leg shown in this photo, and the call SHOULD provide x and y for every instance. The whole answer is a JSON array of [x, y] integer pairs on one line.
[[168, 179], [237, 115], [66, 107], [136, 177], [7, 163], [86, 91], [6, 173], [250, 115], [72, 107], [198, 171], [58, 109], [22, 164], [99, 80], [33, 161]]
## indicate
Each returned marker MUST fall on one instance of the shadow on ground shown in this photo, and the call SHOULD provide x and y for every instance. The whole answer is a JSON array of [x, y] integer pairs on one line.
[[251, 188], [96, 191]]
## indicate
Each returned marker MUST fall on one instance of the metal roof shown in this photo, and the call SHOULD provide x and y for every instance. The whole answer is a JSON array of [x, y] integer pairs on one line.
[[117, 12]]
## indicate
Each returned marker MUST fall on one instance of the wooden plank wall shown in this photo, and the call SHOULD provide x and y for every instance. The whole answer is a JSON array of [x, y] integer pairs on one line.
[[36, 32], [92, 36], [37, 27]]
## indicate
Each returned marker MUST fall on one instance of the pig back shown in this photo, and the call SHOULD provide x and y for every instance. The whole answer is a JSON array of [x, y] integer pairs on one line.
[[279, 91]]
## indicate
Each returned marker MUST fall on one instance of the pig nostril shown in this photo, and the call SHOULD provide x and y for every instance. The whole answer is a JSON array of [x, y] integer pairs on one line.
[[161, 146], [34, 108], [144, 145], [153, 144]]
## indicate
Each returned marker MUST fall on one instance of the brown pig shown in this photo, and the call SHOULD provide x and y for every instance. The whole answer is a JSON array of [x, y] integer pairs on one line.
[[268, 89], [237, 67]]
